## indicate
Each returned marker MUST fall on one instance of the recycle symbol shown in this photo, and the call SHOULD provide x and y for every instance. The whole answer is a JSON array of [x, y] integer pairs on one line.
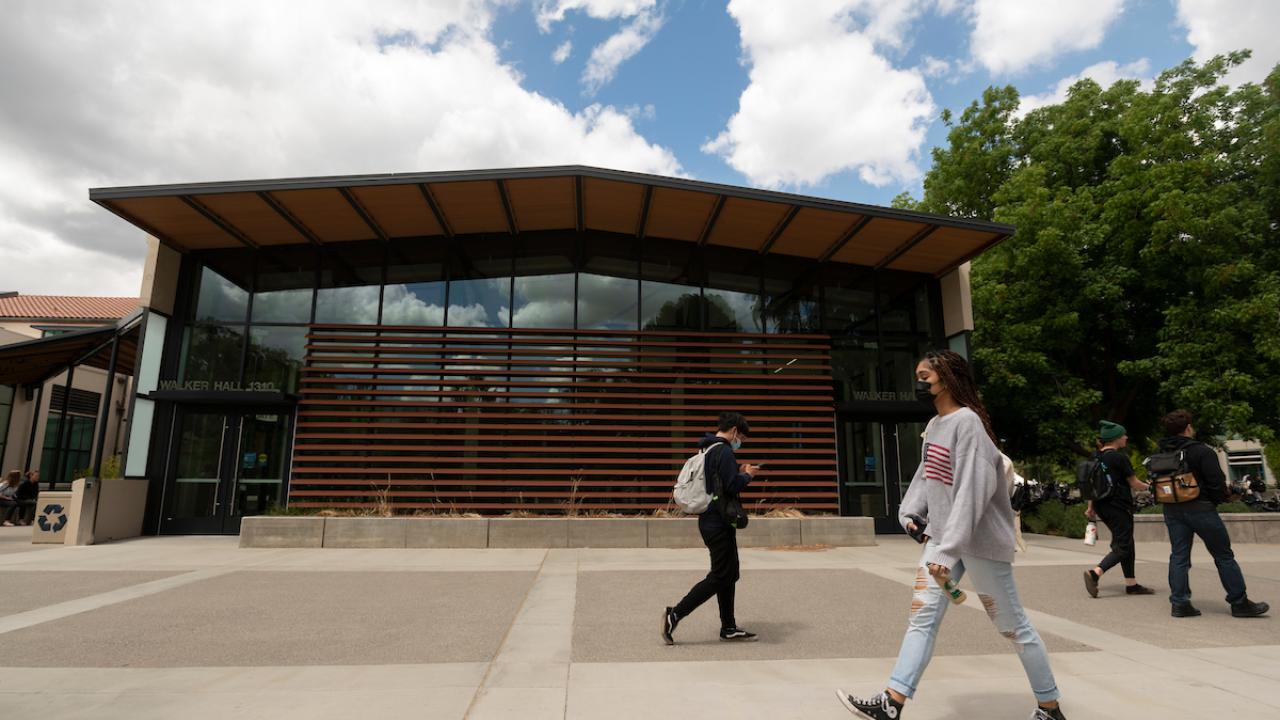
[[55, 526]]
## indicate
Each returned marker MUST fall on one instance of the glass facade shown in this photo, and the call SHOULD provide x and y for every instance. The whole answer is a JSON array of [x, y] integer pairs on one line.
[[249, 311]]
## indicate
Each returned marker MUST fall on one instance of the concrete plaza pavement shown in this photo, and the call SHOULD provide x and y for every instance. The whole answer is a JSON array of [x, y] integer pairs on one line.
[[195, 627]]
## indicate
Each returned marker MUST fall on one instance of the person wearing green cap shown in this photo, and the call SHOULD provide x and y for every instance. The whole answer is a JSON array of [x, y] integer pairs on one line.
[[1116, 511]]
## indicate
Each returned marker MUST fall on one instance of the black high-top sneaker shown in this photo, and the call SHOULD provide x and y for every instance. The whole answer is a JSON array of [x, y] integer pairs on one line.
[[736, 634], [1047, 714], [669, 622], [876, 707]]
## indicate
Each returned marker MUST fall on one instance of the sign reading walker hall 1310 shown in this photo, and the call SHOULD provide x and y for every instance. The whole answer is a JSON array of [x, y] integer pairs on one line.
[[219, 386]]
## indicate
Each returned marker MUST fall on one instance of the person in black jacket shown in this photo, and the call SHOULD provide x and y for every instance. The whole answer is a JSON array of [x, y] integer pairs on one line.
[[720, 537], [1116, 511], [1200, 517], [28, 493]]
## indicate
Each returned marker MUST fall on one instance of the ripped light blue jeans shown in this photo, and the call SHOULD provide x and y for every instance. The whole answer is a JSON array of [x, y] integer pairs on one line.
[[993, 582]]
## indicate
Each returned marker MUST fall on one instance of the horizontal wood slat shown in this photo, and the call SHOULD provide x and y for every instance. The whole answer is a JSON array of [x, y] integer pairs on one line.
[[493, 420]]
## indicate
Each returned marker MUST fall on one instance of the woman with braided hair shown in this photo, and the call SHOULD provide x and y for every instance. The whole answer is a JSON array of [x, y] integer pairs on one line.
[[958, 506]]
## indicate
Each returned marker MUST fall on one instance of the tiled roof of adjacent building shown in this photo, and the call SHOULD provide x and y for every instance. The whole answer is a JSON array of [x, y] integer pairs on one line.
[[65, 307]]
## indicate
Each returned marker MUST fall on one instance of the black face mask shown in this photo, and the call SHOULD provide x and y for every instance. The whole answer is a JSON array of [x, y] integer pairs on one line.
[[922, 391]]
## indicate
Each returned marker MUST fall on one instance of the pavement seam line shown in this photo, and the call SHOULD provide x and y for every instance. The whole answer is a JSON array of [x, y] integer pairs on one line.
[[61, 610], [514, 618], [58, 611]]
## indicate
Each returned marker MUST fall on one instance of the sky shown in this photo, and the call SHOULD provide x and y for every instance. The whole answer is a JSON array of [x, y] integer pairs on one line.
[[833, 98]]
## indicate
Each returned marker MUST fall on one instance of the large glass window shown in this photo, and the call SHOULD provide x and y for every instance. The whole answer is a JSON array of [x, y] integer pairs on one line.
[[413, 304], [607, 303], [480, 285], [219, 300], [733, 291], [350, 283], [275, 357], [543, 301], [212, 353], [77, 449], [906, 327], [480, 303], [791, 295], [668, 306], [415, 290], [285, 285]]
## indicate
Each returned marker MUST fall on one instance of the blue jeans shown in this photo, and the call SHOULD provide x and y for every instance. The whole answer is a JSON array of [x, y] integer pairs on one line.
[[994, 584], [1183, 526]]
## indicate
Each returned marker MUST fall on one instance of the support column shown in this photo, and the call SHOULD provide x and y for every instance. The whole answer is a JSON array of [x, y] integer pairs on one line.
[[35, 423], [59, 454], [106, 408]]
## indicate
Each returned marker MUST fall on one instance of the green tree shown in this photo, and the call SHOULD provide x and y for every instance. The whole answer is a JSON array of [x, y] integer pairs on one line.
[[1145, 271]]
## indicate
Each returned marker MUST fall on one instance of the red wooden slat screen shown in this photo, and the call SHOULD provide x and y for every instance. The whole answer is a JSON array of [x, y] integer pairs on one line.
[[492, 420]]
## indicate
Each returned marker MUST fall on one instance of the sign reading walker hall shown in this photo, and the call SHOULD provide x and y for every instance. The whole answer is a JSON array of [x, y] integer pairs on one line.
[[218, 386]]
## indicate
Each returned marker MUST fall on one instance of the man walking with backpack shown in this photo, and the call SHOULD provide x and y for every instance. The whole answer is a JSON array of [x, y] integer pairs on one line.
[[1114, 507], [724, 479], [1190, 509]]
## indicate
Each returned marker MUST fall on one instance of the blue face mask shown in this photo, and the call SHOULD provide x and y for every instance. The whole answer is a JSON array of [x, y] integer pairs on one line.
[[737, 443]]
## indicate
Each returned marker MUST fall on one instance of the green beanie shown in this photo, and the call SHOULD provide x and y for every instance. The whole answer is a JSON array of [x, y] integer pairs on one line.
[[1108, 431]]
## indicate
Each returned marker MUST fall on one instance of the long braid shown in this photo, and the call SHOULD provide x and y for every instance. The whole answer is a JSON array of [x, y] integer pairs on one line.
[[956, 375]]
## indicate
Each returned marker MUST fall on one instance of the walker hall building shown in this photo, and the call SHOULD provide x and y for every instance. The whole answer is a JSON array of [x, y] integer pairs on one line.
[[529, 339]]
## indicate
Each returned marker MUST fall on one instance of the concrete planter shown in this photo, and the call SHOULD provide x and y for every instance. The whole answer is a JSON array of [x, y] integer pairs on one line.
[[429, 532], [551, 532], [1242, 527], [282, 532], [528, 532], [608, 532], [673, 533], [365, 532]]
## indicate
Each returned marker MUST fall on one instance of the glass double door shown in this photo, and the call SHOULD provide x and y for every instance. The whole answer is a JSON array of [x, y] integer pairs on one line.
[[224, 464], [878, 458]]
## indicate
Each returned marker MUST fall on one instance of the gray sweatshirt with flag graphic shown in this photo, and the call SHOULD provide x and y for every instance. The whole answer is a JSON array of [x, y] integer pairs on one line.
[[959, 489]]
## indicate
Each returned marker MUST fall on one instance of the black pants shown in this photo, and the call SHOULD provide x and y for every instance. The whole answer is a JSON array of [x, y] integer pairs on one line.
[[1119, 520], [722, 542]]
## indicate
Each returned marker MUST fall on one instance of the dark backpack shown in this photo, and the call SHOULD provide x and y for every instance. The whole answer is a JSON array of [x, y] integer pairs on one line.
[[1093, 479]]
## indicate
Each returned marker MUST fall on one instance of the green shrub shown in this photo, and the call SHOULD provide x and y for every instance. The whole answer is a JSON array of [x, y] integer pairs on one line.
[[1055, 518]]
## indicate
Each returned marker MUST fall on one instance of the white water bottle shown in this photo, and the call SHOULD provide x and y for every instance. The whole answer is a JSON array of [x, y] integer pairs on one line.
[[1091, 533]]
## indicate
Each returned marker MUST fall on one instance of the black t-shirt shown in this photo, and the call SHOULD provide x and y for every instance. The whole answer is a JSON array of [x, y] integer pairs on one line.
[[1119, 467]]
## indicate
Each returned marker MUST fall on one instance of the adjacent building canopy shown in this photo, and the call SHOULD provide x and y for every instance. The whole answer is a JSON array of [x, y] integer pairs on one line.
[[265, 213], [34, 361]]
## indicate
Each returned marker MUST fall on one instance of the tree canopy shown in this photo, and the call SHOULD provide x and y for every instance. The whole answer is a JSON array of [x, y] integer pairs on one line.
[[1145, 271]]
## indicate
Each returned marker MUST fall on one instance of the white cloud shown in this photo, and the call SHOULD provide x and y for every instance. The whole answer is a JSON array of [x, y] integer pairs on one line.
[[1103, 73], [1010, 36], [934, 67], [623, 45], [550, 12], [645, 20], [562, 52], [1216, 27], [144, 92], [821, 99]]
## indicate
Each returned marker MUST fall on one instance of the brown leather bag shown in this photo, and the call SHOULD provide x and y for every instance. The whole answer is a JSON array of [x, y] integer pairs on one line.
[[1175, 488], [1171, 480]]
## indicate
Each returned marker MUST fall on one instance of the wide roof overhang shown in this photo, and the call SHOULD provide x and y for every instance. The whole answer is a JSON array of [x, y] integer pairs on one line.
[[318, 211], [35, 361]]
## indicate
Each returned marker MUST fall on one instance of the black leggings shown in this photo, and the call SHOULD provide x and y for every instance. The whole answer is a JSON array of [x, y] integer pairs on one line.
[[722, 542], [1119, 521]]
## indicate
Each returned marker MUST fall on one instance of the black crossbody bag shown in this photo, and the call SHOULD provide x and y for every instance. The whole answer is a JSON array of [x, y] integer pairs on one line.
[[730, 505]]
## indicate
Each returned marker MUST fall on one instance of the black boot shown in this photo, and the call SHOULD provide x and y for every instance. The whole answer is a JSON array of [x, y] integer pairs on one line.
[[1248, 608], [1184, 610]]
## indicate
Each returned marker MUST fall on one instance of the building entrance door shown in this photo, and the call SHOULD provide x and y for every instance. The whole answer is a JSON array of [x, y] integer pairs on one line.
[[877, 461], [225, 463]]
